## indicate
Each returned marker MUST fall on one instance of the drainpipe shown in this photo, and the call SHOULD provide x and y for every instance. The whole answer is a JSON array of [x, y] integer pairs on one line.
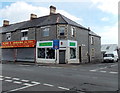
[[35, 48], [88, 45]]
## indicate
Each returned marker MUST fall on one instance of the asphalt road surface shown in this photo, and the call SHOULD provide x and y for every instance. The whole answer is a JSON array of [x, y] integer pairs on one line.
[[82, 78]]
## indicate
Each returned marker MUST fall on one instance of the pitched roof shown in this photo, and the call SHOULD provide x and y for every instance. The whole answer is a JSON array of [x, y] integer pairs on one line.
[[41, 21], [109, 47], [94, 34]]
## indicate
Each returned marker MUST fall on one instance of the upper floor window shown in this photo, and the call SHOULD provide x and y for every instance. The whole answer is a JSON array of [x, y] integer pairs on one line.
[[62, 30], [73, 31], [24, 35], [8, 36], [46, 31], [92, 40]]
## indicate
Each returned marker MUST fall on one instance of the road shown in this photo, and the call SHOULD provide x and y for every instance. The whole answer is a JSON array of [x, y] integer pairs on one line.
[[87, 77]]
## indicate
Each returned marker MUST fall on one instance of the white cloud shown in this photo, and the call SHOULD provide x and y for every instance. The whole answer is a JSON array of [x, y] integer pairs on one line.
[[109, 6], [109, 34], [20, 11], [104, 19]]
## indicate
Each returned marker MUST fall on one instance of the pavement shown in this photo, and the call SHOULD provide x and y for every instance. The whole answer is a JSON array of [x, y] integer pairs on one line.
[[97, 78]]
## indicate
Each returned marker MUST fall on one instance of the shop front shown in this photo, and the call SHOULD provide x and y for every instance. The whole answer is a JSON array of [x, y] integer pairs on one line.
[[67, 52], [19, 50]]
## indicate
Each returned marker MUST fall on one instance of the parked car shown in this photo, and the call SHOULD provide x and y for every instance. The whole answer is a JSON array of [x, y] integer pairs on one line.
[[110, 57]]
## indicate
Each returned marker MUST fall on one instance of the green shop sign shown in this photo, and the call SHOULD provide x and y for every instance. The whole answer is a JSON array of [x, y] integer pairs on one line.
[[45, 44], [72, 44]]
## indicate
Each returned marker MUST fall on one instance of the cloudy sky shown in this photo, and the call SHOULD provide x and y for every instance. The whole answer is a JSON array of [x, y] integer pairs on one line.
[[100, 15]]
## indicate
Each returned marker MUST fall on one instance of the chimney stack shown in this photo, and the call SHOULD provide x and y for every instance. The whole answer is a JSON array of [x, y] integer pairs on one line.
[[5, 22], [52, 9], [33, 16]]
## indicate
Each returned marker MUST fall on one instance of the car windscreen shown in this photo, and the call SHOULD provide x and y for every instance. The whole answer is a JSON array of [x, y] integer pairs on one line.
[[108, 55]]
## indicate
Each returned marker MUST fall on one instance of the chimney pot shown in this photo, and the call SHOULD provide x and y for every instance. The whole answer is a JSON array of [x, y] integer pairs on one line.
[[52, 9], [5, 22], [33, 16]]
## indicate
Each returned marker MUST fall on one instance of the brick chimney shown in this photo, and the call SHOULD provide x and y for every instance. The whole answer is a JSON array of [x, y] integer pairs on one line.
[[52, 9], [33, 16], [5, 23]]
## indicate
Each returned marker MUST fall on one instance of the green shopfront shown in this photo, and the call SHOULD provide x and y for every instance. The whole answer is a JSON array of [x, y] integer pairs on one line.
[[67, 52]]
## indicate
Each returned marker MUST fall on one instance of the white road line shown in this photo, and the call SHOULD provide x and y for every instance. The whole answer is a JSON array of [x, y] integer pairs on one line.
[[24, 65], [103, 71], [22, 88], [113, 72], [114, 65], [48, 85], [1, 79], [25, 80], [1, 76], [64, 88], [35, 82], [17, 82], [93, 70], [16, 78], [8, 80], [8, 77], [27, 84]]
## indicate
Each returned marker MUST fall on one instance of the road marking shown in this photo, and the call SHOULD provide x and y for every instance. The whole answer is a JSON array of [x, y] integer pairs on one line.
[[22, 88], [27, 84], [35, 82], [8, 80], [8, 77], [25, 80], [1, 76], [24, 65], [103, 71], [1, 79], [17, 82], [16, 78], [113, 72], [92, 70], [113, 65], [48, 85], [64, 88]]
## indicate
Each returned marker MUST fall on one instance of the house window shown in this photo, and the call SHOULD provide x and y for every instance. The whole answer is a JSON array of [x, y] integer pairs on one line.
[[72, 53], [24, 35], [8, 36], [46, 31], [92, 40], [73, 31], [46, 53], [62, 30], [93, 52]]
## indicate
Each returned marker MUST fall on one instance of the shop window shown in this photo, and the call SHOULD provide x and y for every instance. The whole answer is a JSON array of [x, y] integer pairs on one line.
[[41, 52], [46, 53], [46, 31], [72, 53], [62, 30], [24, 35], [8, 36], [73, 31]]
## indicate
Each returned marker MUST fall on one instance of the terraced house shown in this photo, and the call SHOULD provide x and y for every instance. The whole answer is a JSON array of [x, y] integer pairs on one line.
[[33, 40]]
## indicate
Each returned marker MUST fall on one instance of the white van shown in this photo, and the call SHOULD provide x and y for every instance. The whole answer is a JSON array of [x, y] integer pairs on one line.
[[110, 56]]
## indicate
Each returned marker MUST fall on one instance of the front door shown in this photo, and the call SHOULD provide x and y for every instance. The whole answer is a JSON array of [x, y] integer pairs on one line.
[[61, 56]]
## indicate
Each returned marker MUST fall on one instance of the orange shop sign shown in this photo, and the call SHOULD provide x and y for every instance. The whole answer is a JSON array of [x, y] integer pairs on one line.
[[23, 43]]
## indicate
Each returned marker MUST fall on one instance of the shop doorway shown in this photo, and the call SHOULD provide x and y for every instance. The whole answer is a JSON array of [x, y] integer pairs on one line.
[[61, 56], [80, 54]]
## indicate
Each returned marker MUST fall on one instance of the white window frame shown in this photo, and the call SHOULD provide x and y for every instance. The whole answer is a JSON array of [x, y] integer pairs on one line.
[[73, 30], [92, 40], [8, 36], [24, 37], [64, 30], [44, 30]]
